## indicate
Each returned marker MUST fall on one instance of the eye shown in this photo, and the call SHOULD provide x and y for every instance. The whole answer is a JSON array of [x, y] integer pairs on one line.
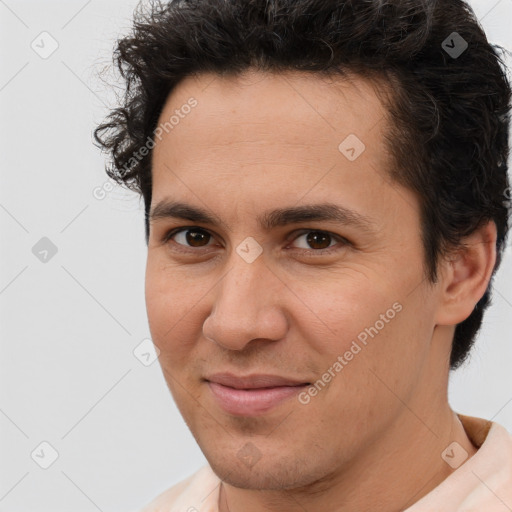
[[193, 237], [315, 241]]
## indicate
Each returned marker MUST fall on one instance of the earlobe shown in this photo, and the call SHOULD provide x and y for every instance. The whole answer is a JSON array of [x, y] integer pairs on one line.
[[466, 275]]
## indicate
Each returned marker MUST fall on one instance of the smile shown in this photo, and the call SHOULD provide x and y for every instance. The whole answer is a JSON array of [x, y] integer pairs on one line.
[[252, 402]]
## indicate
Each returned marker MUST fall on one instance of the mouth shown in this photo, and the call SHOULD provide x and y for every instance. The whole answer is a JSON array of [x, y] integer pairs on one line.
[[253, 395]]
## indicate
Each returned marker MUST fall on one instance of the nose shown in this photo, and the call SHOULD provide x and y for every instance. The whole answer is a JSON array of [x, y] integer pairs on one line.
[[247, 305]]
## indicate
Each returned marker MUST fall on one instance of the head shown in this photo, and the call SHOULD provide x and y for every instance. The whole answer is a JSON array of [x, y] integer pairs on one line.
[[245, 110]]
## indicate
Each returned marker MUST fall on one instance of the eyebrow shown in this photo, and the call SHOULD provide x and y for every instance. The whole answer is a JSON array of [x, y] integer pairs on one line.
[[167, 209]]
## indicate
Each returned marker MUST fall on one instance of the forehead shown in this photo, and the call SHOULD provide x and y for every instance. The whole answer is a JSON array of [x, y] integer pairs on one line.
[[259, 103], [260, 133]]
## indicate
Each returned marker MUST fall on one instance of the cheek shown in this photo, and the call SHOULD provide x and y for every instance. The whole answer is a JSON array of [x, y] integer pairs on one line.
[[343, 307], [383, 345], [375, 330], [172, 308]]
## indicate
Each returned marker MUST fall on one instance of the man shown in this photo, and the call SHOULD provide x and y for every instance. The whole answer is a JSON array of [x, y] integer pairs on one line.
[[324, 189]]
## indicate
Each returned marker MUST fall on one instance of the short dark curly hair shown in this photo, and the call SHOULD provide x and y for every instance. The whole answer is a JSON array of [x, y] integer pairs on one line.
[[450, 113]]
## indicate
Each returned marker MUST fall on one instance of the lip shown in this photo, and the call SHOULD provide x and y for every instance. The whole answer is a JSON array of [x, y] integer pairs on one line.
[[254, 381], [252, 395]]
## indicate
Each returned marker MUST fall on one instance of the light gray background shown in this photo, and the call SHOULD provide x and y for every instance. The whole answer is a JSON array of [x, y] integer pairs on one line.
[[69, 326]]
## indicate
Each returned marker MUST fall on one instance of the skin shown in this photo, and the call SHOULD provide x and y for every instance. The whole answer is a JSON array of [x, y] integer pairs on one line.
[[372, 438]]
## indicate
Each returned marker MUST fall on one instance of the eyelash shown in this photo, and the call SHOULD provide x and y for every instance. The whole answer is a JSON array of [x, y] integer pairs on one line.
[[309, 252]]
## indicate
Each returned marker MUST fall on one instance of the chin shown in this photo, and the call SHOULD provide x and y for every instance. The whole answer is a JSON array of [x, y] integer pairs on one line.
[[269, 475]]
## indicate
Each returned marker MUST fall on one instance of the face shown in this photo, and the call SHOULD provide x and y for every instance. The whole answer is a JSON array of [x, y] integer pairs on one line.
[[337, 303]]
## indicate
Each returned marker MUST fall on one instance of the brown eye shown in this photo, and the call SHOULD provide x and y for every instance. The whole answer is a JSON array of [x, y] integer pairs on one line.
[[197, 238], [189, 237], [318, 240]]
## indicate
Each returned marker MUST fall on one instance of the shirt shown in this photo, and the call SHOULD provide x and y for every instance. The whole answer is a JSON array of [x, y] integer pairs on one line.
[[481, 484]]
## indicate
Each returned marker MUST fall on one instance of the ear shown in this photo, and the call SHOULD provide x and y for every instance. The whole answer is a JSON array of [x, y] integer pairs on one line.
[[465, 275]]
